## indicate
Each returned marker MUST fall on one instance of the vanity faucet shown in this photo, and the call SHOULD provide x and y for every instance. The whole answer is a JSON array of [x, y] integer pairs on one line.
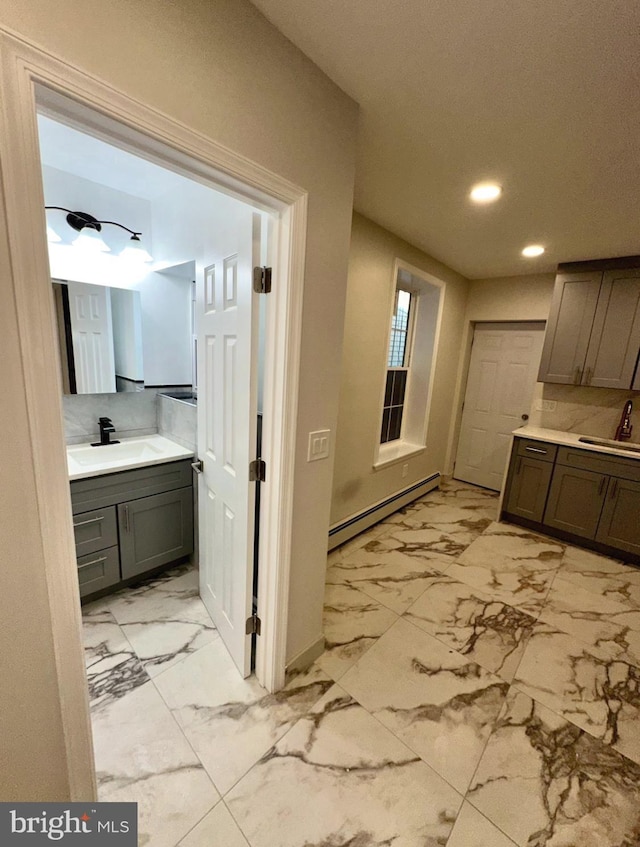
[[106, 428]]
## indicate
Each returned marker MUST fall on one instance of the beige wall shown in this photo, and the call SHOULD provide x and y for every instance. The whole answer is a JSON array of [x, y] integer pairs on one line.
[[371, 284], [201, 62]]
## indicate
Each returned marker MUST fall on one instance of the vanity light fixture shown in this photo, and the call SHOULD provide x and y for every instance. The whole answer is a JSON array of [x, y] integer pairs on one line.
[[89, 229], [533, 250], [485, 192]]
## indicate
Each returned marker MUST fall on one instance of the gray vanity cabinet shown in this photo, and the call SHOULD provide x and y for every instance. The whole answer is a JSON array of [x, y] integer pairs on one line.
[[620, 522], [575, 501], [155, 530], [131, 522], [593, 331]]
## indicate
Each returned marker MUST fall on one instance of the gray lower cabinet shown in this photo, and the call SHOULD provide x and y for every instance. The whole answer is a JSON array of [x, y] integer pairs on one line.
[[529, 488], [155, 530], [575, 501], [620, 522], [576, 492], [131, 522]]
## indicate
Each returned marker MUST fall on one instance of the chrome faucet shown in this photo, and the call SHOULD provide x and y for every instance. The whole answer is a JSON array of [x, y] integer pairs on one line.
[[106, 428], [623, 432]]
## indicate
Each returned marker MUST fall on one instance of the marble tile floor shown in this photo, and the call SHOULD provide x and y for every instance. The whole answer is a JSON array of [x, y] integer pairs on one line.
[[480, 688]]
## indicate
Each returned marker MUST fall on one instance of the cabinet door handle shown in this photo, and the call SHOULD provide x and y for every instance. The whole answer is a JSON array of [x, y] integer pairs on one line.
[[92, 562], [577, 375], [519, 465], [536, 450], [125, 513], [614, 489], [90, 520], [601, 486]]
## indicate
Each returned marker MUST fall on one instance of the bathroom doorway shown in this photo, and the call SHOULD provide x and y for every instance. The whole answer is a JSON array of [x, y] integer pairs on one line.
[[178, 223]]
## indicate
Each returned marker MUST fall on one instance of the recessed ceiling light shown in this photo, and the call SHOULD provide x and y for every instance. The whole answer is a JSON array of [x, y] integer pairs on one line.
[[533, 250], [485, 192]]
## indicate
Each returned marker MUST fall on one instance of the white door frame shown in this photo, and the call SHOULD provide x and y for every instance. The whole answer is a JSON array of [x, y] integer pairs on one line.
[[23, 67]]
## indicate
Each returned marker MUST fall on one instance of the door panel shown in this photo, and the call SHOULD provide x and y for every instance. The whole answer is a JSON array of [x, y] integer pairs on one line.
[[92, 337], [529, 487], [227, 316], [619, 525], [575, 501], [502, 373]]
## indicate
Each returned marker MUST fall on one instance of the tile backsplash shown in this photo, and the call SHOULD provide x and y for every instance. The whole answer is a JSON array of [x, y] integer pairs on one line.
[[588, 411], [132, 413], [178, 420]]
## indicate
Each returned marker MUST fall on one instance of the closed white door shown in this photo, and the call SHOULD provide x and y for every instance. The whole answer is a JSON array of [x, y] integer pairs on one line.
[[502, 375], [92, 337], [226, 317]]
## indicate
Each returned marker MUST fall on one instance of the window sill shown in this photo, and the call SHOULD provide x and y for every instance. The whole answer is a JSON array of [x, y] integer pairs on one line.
[[391, 454]]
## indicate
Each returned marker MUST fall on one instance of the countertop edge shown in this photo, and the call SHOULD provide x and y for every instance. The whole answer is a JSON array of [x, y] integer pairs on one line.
[[571, 439]]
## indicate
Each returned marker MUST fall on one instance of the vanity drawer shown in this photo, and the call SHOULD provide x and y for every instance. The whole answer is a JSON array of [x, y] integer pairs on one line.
[[602, 463], [98, 570], [110, 489], [95, 530], [537, 449]]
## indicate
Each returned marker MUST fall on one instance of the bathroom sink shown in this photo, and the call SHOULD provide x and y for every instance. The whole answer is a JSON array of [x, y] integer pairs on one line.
[[84, 460], [609, 442]]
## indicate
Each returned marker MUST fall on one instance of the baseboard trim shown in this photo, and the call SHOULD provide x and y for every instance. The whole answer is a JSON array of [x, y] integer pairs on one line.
[[354, 525], [305, 658]]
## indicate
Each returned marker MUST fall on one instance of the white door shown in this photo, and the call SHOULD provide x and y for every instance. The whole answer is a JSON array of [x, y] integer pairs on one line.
[[226, 316], [502, 376], [92, 337]]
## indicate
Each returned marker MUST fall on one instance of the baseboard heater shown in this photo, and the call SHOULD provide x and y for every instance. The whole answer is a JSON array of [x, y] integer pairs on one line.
[[349, 528]]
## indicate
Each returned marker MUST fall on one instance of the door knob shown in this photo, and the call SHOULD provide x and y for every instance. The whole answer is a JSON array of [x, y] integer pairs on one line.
[[197, 466], [524, 417]]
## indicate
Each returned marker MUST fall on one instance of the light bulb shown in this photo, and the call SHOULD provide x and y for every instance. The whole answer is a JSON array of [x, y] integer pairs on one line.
[[90, 240]]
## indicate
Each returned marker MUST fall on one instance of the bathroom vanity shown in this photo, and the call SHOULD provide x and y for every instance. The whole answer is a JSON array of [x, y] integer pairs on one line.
[[132, 507], [583, 492]]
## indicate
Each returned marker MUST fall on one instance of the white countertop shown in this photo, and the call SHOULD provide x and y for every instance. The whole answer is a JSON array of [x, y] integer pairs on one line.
[[85, 461], [570, 439]]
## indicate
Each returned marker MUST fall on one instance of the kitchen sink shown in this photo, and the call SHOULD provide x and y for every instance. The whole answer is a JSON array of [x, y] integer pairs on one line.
[[610, 442]]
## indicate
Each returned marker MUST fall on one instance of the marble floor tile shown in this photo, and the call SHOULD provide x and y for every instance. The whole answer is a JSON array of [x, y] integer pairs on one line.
[[605, 577], [217, 829], [441, 705], [352, 623], [511, 564], [482, 629], [164, 619], [229, 721], [388, 576], [444, 508], [356, 543], [546, 783], [142, 756], [113, 668], [596, 619], [589, 686], [338, 777], [427, 542], [472, 829]]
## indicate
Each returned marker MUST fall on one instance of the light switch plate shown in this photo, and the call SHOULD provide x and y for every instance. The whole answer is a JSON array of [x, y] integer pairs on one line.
[[319, 445]]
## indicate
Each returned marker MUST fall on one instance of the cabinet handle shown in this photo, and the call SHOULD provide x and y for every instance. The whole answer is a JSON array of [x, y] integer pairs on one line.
[[577, 375], [614, 489], [601, 486], [519, 465], [587, 376], [126, 518], [90, 520], [536, 450], [92, 562]]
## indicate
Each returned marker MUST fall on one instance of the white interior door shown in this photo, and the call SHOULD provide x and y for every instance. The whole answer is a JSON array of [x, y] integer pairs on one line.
[[92, 337], [502, 376], [226, 317]]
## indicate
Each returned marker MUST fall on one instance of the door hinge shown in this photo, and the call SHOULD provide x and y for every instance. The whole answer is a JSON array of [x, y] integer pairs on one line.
[[262, 280], [257, 470], [254, 625]]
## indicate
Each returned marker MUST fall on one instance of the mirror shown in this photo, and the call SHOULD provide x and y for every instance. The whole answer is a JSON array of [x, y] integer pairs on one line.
[[119, 339]]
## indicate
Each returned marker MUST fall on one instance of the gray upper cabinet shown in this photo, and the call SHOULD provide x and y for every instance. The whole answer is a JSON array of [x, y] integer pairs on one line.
[[568, 331], [593, 332], [615, 338]]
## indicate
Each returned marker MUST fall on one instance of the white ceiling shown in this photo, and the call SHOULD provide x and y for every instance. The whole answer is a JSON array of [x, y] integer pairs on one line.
[[541, 95]]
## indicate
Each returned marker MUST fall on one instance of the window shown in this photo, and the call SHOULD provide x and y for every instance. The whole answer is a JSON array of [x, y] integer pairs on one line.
[[397, 366], [406, 385]]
